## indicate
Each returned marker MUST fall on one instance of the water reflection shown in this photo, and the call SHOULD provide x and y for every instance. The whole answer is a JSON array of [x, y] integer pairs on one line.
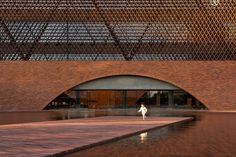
[[143, 137], [210, 135]]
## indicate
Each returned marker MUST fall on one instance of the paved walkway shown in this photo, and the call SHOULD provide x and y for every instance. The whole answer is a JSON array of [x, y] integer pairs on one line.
[[54, 138]]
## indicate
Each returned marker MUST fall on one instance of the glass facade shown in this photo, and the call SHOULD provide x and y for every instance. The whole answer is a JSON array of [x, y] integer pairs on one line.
[[110, 99]]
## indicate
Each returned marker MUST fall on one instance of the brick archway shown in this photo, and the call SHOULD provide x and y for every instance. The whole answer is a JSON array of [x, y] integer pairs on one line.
[[123, 82], [32, 85]]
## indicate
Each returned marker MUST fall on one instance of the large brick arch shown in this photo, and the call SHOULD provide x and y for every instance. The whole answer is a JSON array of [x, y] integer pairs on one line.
[[112, 75], [32, 85]]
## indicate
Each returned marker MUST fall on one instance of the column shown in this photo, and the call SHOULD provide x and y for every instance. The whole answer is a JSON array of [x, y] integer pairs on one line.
[[158, 99], [77, 99], [171, 98], [124, 99]]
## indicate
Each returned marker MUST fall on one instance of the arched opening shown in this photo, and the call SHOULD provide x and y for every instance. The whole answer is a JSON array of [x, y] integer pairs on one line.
[[125, 92]]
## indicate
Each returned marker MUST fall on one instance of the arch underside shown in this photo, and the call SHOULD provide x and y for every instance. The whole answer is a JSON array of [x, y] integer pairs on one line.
[[126, 82], [125, 91]]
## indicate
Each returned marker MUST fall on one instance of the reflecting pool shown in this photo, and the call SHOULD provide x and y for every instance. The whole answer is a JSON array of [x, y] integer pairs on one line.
[[210, 135]]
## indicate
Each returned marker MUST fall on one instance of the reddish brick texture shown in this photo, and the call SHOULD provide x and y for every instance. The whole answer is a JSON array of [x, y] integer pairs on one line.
[[27, 86]]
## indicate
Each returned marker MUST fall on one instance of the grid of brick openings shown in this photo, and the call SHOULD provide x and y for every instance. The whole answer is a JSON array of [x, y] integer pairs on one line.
[[117, 30]]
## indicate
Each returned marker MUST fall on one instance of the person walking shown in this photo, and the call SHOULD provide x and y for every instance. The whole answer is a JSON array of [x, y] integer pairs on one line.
[[143, 111]]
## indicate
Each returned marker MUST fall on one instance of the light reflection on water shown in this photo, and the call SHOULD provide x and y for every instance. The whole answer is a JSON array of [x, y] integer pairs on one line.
[[210, 135], [143, 137]]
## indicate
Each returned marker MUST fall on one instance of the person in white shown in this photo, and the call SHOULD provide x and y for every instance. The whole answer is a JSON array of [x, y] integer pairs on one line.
[[143, 110]]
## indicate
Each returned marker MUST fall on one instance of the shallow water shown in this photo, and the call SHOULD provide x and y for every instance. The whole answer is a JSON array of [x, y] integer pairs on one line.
[[210, 135]]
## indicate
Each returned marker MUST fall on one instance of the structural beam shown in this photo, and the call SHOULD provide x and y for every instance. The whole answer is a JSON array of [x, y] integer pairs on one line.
[[126, 55], [12, 39], [37, 39]]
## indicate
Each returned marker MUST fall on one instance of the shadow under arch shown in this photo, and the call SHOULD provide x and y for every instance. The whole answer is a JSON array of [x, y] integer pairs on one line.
[[126, 82]]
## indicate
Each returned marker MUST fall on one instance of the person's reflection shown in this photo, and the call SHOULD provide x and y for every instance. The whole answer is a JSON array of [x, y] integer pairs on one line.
[[143, 137]]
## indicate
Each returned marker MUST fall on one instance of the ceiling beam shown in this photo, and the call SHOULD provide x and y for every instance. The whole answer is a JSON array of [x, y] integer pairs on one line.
[[12, 39]]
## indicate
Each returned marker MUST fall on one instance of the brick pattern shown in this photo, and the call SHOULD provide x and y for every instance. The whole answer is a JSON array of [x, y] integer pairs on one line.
[[32, 85], [116, 30], [57, 138]]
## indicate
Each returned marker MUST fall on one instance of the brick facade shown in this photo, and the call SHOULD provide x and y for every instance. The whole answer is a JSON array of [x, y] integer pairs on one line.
[[29, 85]]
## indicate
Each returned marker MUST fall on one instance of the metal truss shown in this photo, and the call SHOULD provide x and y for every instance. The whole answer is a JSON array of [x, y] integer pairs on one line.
[[118, 30]]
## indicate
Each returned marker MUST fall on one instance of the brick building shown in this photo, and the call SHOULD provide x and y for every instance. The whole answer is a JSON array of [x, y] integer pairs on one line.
[[51, 48]]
